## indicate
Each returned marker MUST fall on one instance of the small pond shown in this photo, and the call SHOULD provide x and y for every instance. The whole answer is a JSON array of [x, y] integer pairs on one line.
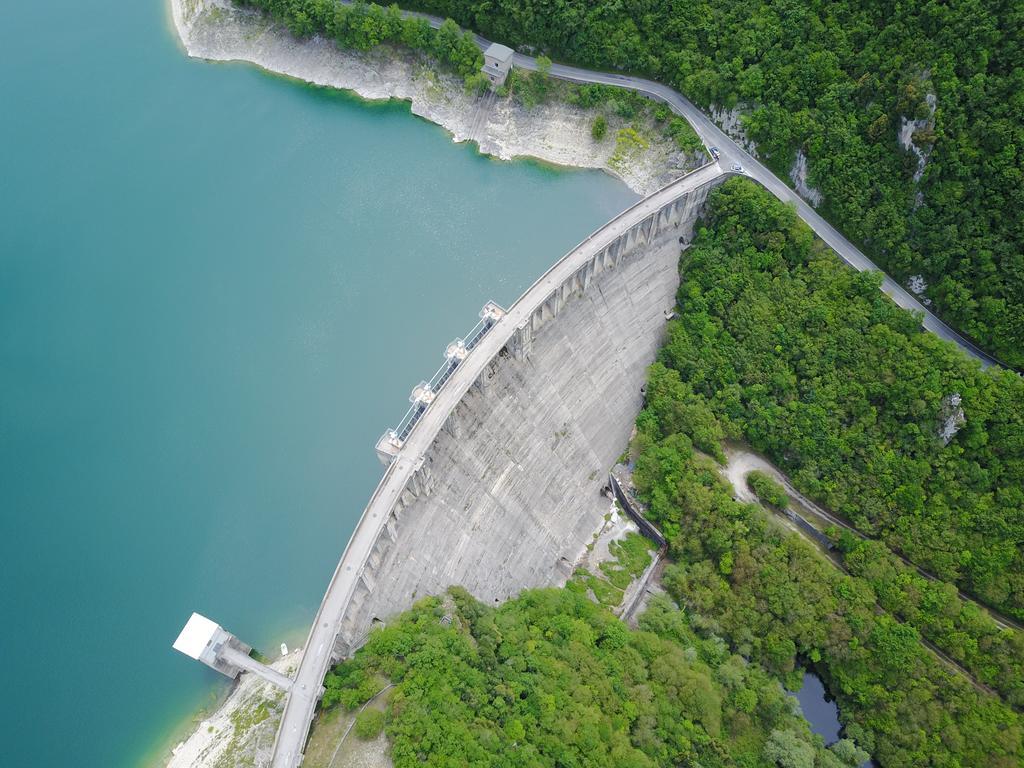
[[820, 710]]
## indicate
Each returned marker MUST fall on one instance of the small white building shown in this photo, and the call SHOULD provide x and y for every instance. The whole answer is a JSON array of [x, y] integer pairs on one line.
[[497, 63], [206, 641]]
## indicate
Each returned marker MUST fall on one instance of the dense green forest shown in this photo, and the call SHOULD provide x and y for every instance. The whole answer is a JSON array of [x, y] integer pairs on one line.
[[993, 655], [778, 343], [364, 26], [551, 679], [814, 367], [835, 79], [777, 601]]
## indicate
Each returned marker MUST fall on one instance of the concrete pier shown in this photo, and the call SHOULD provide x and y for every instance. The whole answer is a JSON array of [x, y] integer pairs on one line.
[[206, 641]]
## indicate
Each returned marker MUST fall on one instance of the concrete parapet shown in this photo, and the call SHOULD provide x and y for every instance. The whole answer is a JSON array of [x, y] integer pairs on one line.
[[388, 447]]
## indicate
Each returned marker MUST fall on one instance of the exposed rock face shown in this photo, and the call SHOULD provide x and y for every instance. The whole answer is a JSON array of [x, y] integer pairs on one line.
[[917, 285], [953, 418], [729, 121], [907, 130], [798, 174], [554, 132]]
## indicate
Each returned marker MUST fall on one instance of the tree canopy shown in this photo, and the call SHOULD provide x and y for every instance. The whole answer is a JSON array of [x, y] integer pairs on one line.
[[365, 25], [778, 343], [552, 679], [806, 360]]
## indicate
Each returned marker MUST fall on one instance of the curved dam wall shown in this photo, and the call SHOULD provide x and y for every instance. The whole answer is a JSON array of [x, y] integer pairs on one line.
[[507, 496], [495, 484]]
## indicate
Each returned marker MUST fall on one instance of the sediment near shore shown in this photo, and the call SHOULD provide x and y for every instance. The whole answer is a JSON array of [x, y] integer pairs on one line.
[[552, 132], [241, 731]]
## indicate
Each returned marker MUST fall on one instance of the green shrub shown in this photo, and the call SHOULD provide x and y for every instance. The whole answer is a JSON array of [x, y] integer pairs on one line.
[[767, 490], [477, 83], [369, 724], [624, 108], [632, 556], [599, 128], [683, 135], [587, 96]]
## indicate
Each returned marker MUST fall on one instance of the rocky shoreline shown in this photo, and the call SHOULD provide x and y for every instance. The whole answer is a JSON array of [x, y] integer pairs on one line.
[[241, 731], [552, 132]]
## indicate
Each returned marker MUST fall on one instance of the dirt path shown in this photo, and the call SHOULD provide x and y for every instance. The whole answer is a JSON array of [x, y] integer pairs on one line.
[[742, 462]]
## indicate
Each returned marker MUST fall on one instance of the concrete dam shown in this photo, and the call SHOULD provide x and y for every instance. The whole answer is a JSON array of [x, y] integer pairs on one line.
[[494, 477], [508, 493]]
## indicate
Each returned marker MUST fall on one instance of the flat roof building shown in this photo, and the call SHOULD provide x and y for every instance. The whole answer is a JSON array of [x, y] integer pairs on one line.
[[497, 63], [196, 636]]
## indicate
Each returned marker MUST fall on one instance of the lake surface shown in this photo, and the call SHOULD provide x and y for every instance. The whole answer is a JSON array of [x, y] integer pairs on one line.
[[217, 288]]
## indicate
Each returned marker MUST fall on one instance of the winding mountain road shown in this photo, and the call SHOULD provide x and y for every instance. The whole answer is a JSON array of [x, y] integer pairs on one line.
[[731, 154]]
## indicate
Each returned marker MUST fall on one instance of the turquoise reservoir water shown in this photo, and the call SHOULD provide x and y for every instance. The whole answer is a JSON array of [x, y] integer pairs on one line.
[[217, 288]]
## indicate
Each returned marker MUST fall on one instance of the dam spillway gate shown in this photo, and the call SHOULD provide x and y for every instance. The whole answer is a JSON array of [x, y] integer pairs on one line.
[[423, 394]]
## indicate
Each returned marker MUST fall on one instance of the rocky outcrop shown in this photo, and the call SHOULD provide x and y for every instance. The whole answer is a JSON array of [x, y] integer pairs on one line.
[[911, 132], [917, 285], [729, 120], [798, 175], [241, 731], [953, 418], [553, 132]]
